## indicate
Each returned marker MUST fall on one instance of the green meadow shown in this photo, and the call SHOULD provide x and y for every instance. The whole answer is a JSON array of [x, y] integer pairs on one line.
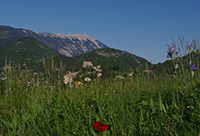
[[154, 104]]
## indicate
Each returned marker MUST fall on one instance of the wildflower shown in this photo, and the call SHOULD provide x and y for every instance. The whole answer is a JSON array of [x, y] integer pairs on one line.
[[193, 67], [99, 74], [154, 108], [170, 51], [195, 51], [67, 78], [189, 48], [100, 126], [87, 79], [62, 101], [141, 123], [188, 107], [119, 77], [3, 78], [35, 73], [74, 133], [79, 83]]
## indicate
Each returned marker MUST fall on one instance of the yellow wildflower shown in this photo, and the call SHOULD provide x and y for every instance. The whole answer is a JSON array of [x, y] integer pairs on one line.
[[195, 51], [188, 106], [79, 83], [74, 133]]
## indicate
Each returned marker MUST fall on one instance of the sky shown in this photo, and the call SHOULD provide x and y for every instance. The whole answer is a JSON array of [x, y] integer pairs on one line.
[[140, 27]]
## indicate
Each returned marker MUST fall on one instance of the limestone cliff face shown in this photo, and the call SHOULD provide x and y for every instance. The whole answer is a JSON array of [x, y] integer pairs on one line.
[[69, 45]]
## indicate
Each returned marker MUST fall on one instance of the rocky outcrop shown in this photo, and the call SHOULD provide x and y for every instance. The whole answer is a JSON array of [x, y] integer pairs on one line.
[[66, 44]]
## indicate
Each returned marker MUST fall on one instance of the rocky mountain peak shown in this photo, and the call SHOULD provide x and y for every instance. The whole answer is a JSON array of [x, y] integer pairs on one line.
[[66, 44]]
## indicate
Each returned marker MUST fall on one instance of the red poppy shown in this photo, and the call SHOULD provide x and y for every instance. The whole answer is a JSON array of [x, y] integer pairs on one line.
[[100, 126], [62, 101]]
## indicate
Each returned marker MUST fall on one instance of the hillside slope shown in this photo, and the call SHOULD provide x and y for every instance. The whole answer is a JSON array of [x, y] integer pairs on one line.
[[26, 50], [118, 60]]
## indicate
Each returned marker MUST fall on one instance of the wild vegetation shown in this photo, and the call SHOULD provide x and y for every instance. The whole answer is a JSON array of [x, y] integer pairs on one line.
[[147, 104], [26, 50]]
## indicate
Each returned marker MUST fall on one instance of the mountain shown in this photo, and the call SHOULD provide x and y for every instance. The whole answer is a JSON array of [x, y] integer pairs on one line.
[[69, 45], [26, 50], [108, 58]]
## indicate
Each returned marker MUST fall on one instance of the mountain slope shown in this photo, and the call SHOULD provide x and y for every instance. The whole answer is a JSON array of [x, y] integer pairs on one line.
[[26, 50], [118, 60], [68, 45]]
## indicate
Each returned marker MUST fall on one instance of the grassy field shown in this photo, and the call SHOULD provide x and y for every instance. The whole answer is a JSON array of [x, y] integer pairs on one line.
[[147, 104]]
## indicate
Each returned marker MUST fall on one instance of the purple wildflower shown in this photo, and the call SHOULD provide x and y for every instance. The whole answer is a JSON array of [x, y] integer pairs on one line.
[[169, 55], [170, 51], [193, 67]]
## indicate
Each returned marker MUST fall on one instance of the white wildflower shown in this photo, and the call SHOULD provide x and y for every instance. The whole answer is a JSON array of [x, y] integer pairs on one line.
[[99, 74], [119, 77], [87, 79]]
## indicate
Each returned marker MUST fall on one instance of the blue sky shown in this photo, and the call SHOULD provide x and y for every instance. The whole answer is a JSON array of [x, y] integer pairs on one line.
[[141, 27]]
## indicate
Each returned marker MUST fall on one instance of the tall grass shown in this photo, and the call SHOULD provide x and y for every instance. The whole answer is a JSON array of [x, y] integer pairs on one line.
[[147, 104]]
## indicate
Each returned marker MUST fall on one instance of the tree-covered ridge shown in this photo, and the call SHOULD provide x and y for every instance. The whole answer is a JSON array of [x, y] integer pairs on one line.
[[26, 50]]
